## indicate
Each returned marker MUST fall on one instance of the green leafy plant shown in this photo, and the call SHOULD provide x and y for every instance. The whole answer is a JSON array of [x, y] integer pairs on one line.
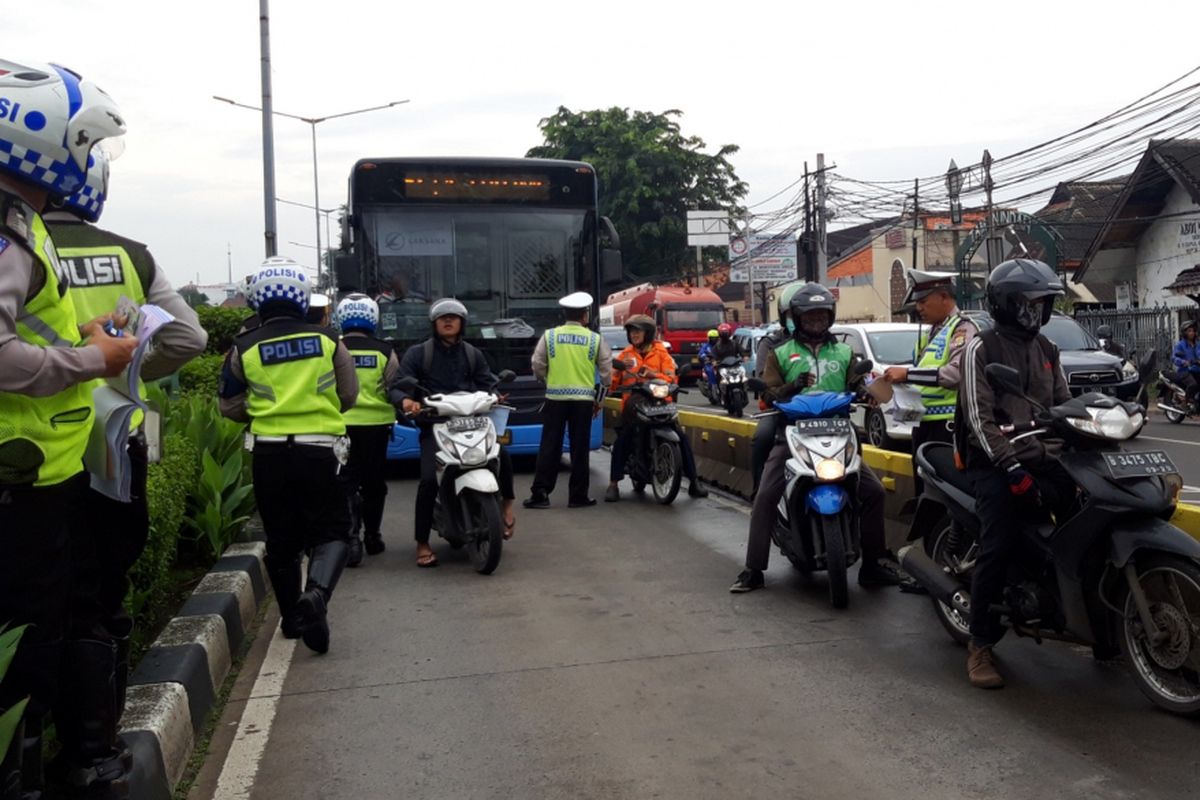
[[222, 324], [168, 486], [201, 375], [9, 719], [222, 503]]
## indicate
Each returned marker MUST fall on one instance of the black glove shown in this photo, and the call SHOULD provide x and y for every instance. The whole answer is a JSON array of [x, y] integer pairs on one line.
[[1021, 483], [801, 383]]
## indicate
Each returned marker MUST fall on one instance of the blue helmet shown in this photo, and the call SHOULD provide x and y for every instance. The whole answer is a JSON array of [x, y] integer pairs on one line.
[[280, 279], [88, 201], [48, 124], [357, 312]]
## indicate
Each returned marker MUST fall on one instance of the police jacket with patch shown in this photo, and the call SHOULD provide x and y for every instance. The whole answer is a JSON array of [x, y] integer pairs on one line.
[[981, 410]]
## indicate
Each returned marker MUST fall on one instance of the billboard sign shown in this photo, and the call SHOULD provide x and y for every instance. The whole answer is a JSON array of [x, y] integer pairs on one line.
[[772, 256]]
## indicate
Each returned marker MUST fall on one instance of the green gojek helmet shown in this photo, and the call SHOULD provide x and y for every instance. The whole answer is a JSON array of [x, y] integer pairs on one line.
[[783, 299]]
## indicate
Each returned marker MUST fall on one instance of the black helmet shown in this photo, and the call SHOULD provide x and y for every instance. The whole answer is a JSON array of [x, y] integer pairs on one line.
[[1104, 332], [1190, 323], [812, 297], [644, 324], [1017, 292]]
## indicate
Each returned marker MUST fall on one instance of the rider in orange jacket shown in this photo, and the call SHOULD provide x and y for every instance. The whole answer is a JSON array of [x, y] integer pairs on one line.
[[645, 359]]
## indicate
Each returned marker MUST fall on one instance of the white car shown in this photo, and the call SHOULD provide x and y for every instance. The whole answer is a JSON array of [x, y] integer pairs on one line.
[[886, 344]]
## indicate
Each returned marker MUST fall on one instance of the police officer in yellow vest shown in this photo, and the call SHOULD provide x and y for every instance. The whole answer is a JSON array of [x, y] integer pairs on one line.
[[292, 381], [938, 355], [369, 423], [576, 364], [47, 364]]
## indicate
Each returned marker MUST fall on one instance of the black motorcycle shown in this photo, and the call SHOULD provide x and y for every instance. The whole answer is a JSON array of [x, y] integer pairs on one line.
[[1113, 573], [731, 385], [654, 456], [1173, 400]]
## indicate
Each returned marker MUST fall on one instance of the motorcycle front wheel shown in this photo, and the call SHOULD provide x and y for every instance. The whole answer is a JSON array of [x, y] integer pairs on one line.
[[1167, 672], [832, 530], [485, 530], [666, 469]]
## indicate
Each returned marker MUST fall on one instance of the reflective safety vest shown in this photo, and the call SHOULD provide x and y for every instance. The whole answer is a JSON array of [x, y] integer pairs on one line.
[[571, 352], [102, 271], [939, 401], [370, 361], [42, 439], [290, 379], [831, 364]]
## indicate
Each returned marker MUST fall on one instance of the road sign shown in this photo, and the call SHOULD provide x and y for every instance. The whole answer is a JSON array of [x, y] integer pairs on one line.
[[708, 228], [773, 257]]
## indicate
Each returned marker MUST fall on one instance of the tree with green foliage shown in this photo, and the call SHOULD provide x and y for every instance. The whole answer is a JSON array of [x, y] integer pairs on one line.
[[650, 175], [193, 296]]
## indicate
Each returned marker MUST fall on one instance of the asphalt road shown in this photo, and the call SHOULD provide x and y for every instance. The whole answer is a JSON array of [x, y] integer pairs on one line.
[[606, 659]]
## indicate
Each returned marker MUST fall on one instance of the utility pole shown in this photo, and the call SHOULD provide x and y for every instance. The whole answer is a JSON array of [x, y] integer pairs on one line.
[[916, 217], [822, 257], [229, 260], [750, 269], [809, 266], [264, 17]]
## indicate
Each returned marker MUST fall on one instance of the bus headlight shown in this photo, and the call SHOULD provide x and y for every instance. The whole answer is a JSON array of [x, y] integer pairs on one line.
[[830, 469]]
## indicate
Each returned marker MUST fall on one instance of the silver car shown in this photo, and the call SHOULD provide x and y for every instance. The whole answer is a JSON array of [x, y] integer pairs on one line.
[[886, 344]]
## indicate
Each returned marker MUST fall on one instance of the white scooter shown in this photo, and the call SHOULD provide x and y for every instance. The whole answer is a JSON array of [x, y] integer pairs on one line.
[[467, 427]]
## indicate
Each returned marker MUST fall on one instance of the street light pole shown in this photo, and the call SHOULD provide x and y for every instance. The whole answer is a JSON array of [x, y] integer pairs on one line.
[[312, 122], [268, 132]]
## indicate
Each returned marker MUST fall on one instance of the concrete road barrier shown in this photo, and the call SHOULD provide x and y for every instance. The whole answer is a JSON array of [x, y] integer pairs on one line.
[[722, 446]]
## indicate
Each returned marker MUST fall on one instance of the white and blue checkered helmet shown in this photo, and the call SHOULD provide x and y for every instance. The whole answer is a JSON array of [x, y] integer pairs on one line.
[[357, 312], [280, 278], [88, 201], [49, 120]]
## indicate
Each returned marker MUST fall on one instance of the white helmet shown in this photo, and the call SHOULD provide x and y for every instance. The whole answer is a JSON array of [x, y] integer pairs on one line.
[[446, 306], [49, 120], [88, 201], [357, 312], [279, 279]]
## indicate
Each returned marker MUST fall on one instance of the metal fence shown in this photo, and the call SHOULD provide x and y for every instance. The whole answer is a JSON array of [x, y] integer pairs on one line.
[[1141, 329]]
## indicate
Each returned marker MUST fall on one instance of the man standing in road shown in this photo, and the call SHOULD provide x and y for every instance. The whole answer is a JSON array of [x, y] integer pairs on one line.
[[576, 365], [938, 356]]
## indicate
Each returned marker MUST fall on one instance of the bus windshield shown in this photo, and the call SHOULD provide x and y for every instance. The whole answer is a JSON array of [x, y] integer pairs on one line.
[[508, 265]]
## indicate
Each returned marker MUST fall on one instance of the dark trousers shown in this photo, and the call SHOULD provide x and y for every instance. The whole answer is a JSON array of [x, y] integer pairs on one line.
[[427, 489], [364, 473], [1190, 383], [559, 416], [624, 441], [1005, 520], [300, 499], [35, 585], [941, 430], [761, 445], [869, 497]]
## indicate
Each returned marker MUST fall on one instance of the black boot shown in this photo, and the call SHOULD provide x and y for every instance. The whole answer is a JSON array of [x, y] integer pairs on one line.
[[324, 569], [373, 542], [35, 672], [120, 629], [285, 580], [85, 719], [32, 762], [355, 541], [372, 515]]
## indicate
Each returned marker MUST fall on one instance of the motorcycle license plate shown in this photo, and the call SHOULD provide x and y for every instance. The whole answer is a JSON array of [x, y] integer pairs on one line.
[[833, 427], [1139, 464], [467, 423]]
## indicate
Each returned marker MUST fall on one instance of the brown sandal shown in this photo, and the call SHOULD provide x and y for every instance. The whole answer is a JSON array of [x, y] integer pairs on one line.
[[427, 559], [510, 526]]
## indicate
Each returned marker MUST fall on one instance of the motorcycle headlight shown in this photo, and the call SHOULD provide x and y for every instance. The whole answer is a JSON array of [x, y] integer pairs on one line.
[[473, 456], [1128, 370], [446, 443], [660, 391], [830, 469], [1107, 423]]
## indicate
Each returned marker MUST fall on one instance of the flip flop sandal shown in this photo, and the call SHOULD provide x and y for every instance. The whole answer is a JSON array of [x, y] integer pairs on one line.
[[427, 561], [510, 526]]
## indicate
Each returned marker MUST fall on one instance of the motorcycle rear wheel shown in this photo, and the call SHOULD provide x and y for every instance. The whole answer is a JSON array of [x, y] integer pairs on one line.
[[955, 623], [666, 471], [1168, 674], [1173, 417], [485, 529], [832, 530]]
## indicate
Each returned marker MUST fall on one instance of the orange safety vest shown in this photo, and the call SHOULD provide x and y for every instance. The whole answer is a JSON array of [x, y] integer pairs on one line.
[[657, 360]]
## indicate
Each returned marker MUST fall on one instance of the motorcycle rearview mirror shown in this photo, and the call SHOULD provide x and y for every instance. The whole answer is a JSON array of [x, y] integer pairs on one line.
[[862, 367], [619, 365], [506, 376], [1147, 364], [1004, 379], [756, 384], [408, 384]]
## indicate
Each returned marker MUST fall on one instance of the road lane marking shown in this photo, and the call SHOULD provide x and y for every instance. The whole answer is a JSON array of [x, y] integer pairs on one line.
[[254, 728], [1172, 441]]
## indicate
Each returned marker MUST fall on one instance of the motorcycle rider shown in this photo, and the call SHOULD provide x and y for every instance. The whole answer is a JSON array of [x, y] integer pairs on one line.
[[938, 356], [443, 363], [1009, 477], [646, 358], [47, 365], [1108, 344], [292, 381], [716, 351], [1186, 358], [813, 361], [368, 424]]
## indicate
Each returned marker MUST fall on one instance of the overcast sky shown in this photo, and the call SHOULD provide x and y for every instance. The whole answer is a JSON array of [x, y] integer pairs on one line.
[[887, 90]]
